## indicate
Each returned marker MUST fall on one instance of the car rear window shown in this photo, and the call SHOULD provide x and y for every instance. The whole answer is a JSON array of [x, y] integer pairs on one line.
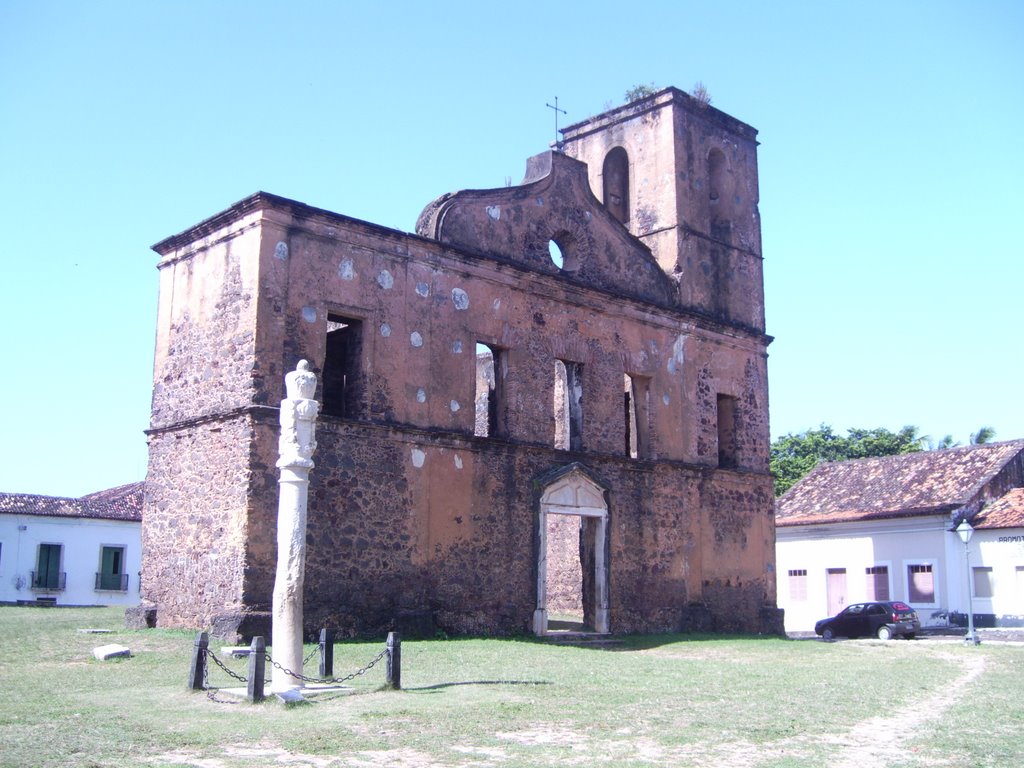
[[902, 607]]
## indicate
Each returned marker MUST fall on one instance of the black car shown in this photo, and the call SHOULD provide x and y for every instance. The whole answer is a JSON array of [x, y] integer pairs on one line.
[[881, 620]]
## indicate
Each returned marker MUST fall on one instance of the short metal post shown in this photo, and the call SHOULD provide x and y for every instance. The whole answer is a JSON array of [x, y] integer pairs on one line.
[[326, 653], [197, 669], [257, 669], [394, 666]]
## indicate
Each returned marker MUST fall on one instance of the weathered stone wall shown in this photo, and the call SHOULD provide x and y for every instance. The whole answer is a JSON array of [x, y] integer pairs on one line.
[[195, 530], [414, 518], [205, 345], [423, 309], [693, 193], [411, 513], [401, 524]]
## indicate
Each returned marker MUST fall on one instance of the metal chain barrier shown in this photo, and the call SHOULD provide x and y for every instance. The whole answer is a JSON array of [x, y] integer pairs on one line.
[[312, 653], [211, 693], [336, 680], [211, 655]]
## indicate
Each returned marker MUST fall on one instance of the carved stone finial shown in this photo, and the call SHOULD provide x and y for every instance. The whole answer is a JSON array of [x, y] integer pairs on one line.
[[298, 415], [300, 384]]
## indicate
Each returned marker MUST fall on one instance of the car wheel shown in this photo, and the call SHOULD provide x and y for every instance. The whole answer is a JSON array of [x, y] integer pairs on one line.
[[828, 635], [884, 633]]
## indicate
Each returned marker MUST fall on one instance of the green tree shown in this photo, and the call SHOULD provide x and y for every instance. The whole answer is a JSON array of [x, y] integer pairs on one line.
[[983, 435], [793, 456], [944, 442], [864, 443]]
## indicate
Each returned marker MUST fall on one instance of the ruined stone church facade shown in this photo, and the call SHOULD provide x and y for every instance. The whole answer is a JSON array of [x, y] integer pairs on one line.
[[486, 406]]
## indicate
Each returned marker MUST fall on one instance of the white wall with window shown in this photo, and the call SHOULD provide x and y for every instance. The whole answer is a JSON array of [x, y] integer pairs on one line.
[[823, 568], [997, 574], [69, 560]]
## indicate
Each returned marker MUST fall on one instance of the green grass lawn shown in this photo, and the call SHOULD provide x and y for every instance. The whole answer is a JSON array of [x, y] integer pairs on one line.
[[653, 701]]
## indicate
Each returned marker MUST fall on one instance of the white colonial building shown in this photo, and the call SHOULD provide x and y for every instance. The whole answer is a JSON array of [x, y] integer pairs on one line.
[[62, 551], [883, 529], [997, 560]]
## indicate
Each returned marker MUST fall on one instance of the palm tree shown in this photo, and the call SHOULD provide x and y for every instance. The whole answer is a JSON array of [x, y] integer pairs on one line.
[[982, 436], [945, 442]]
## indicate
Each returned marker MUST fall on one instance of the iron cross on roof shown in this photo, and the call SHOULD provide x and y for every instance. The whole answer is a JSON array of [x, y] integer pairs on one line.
[[558, 144]]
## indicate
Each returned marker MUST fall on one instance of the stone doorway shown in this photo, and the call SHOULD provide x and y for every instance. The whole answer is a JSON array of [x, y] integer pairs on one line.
[[572, 510]]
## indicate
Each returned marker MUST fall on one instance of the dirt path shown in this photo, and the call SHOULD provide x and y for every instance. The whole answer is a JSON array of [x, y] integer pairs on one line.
[[876, 741]]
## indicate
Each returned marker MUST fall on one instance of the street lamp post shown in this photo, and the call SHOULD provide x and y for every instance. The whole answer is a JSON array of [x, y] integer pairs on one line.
[[965, 531]]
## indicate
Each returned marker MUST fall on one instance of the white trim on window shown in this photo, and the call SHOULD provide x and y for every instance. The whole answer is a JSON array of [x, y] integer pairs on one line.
[[985, 586], [797, 580], [933, 568]]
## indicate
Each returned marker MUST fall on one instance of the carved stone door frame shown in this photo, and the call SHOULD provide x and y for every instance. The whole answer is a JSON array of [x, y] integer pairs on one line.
[[572, 491]]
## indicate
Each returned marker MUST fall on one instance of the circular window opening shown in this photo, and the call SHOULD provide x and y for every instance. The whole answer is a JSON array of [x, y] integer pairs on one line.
[[556, 254], [563, 255]]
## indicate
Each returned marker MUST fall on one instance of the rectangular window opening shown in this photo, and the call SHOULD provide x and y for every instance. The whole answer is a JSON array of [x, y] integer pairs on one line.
[[111, 575], [877, 582], [490, 395], [568, 406], [636, 406], [798, 584], [341, 371], [983, 583], [920, 584], [726, 417]]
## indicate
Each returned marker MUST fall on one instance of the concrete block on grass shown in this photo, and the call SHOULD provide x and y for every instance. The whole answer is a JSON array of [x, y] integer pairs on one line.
[[112, 651]]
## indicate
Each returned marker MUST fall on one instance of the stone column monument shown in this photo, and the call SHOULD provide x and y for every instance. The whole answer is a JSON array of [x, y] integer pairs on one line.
[[296, 446]]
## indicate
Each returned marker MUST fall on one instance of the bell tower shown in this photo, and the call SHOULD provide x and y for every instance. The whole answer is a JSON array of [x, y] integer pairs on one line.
[[682, 177]]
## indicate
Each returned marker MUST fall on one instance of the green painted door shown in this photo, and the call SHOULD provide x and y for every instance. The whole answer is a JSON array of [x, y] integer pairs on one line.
[[48, 570], [111, 567]]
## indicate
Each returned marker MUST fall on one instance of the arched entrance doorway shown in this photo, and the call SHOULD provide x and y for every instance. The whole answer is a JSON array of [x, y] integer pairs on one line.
[[571, 497]]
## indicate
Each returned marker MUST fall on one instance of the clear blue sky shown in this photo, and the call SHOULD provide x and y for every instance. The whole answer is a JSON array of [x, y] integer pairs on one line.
[[891, 170]]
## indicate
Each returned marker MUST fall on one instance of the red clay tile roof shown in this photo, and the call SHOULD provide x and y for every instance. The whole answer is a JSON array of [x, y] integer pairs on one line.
[[928, 482], [121, 503], [1005, 512]]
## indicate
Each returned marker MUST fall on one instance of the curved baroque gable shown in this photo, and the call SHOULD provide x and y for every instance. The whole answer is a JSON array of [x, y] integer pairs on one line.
[[554, 202]]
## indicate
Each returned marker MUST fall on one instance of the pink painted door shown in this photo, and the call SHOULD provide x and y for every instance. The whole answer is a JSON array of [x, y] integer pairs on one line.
[[836, 590]]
